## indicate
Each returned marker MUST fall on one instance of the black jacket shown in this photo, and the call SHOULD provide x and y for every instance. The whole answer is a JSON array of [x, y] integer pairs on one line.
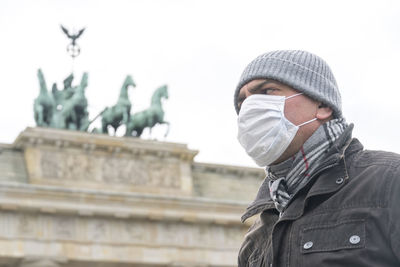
[[348, 215]]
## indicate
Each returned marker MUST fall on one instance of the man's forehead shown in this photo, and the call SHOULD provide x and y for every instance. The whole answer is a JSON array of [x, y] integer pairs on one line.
[[255, 84]]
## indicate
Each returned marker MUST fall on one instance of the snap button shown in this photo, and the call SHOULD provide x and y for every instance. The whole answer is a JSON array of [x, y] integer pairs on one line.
[[339, 180], [308, 245], [355, 239]]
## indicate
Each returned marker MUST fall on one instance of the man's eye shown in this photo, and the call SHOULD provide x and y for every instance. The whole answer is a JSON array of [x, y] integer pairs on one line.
[[268, 91]]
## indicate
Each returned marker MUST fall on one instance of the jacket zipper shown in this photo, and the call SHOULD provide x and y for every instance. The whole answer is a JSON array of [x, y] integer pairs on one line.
[[342, 156], [281, 213], [315, 174]]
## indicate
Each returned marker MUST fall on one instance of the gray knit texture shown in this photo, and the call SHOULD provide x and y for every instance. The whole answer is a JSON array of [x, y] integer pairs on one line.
[[301, 70]]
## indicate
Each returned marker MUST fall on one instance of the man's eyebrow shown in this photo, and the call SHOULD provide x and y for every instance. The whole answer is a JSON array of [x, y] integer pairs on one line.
[[258, 87], [253, 90]]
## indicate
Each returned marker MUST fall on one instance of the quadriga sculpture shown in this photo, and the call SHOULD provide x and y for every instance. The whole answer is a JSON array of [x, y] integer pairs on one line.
[[67, 108], [150, 116]]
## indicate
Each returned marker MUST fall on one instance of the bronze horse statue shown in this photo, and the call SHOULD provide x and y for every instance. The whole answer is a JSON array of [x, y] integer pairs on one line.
[[118, 114], [150, 116], [43, 106]]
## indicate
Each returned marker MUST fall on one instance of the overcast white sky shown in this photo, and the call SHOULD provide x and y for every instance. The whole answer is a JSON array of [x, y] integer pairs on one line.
[[199, 48]]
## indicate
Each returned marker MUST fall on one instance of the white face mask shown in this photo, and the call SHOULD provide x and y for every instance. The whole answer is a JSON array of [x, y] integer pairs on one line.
[[263, 130]]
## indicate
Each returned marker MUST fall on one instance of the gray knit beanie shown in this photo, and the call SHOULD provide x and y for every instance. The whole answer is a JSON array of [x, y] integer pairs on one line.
[[301, 70]]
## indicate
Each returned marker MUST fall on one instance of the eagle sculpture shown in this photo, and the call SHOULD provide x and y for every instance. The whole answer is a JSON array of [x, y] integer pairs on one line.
[[73, 37]]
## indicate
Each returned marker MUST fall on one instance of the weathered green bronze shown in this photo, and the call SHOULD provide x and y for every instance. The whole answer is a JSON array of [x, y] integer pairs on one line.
[[44, 105], [120, 113], [63, 109], [60, 96], [149, 117], [67, 108], [71, 112]]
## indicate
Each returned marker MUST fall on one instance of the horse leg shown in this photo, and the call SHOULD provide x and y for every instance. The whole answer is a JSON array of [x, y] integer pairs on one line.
[[125, 117], [167, 132], [128, 130], [73, 125], [39, 112], [104, 129], [48, 115]]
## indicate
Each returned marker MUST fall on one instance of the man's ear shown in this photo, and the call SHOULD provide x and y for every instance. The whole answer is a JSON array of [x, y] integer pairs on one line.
[[323, 112]]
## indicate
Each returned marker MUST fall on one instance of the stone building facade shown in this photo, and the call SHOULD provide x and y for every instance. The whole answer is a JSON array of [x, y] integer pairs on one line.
[[76, 199]]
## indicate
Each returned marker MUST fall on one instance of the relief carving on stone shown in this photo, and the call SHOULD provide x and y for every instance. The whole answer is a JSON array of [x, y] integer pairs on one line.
[[66, 166], [141, 172], [125, 171], [97, 230], [164, 175], [64, 227], [155, 172], [136, 231], [27, 225], [51, 165]]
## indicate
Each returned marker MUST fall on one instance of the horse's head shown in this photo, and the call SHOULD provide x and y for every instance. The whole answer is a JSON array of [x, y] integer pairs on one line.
[[129, 81], [164, 91], [159, 93]]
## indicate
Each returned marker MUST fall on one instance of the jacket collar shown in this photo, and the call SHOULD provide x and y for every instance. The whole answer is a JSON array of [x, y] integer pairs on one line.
[[334, 157]]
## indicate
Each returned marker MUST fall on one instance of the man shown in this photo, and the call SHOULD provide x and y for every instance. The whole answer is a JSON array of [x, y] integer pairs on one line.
[[325, 200]]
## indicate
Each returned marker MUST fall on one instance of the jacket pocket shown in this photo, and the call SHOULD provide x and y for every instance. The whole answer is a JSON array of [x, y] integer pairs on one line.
[[348, 234]]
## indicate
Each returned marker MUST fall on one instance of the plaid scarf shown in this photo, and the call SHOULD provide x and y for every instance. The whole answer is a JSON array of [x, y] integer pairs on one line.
[[288, 177]]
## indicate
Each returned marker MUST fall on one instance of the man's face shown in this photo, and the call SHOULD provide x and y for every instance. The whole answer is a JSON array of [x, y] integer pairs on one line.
[[297, 110]]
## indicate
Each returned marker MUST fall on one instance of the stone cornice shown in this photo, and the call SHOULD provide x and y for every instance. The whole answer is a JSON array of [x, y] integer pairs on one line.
[[84, 202], [101, 142]]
